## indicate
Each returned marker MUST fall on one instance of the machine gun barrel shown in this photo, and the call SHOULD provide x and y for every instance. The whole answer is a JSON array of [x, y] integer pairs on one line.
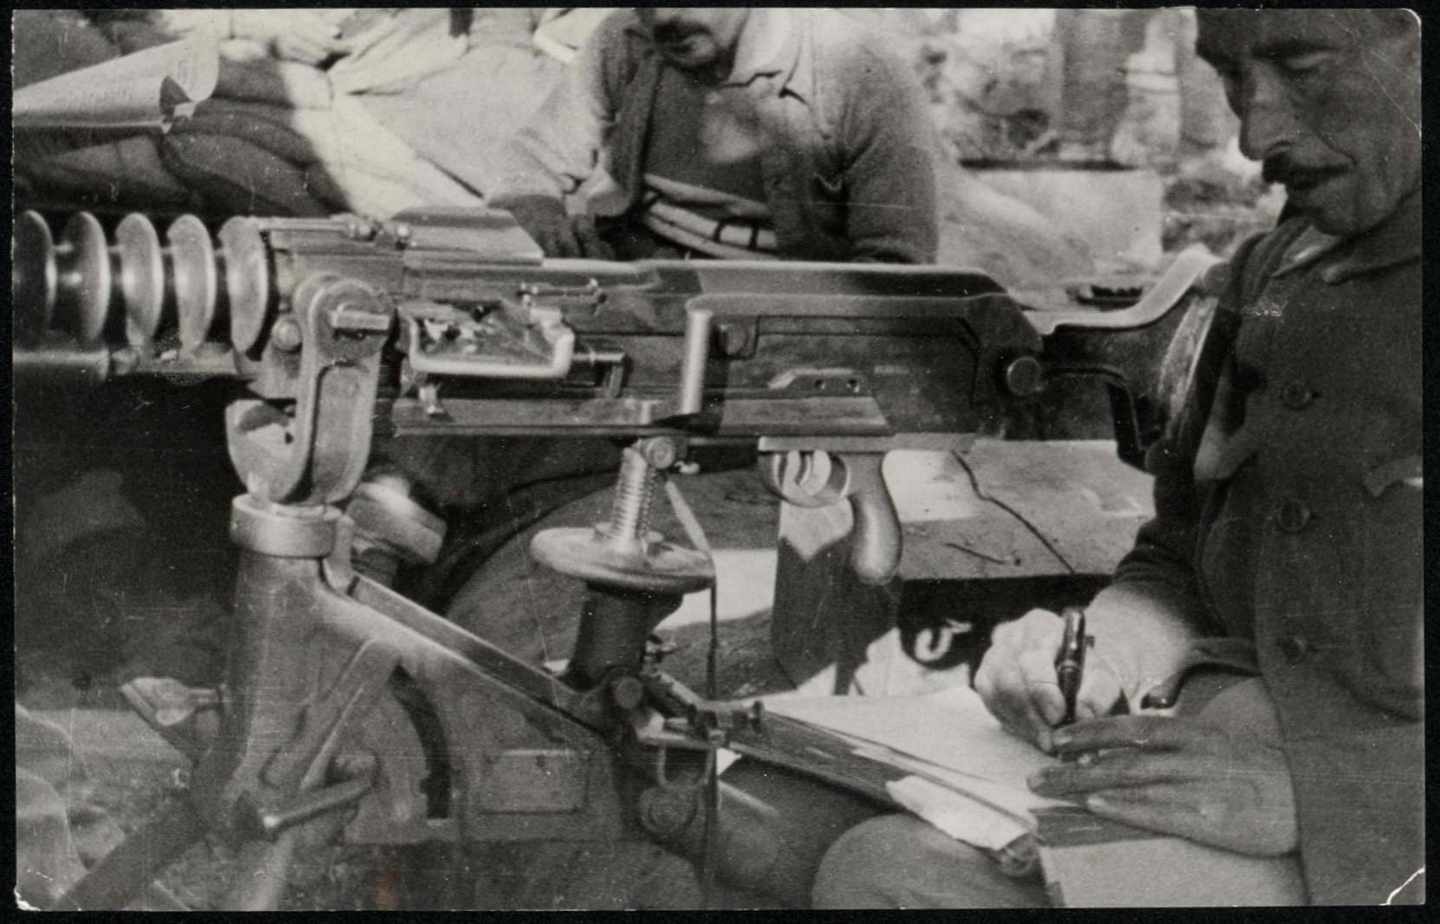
[[489, 338]]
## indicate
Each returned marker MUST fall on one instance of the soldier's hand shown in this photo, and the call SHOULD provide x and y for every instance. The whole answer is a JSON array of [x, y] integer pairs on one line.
[[592, 245], [1179, 776], [559, 234], [1017, 680]]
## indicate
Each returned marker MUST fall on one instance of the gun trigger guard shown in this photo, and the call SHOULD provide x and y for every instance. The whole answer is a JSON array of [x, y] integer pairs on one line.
[[805, 478]]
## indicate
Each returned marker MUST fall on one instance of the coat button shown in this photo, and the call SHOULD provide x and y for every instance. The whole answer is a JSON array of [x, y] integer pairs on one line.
[[1297, 396], [1293, 647], [1292, 515]]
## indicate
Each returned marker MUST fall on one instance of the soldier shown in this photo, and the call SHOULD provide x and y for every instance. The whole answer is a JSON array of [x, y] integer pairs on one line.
[[732, 132], [1278, 589]]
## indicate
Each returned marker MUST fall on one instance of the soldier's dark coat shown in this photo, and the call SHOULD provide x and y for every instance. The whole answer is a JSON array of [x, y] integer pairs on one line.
[[1288, 528]]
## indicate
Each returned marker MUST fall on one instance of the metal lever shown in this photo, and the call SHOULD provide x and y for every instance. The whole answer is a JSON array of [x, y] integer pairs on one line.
[[316, 458], [310, 805]]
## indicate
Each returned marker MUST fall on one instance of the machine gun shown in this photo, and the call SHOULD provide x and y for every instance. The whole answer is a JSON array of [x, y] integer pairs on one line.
[[345, 700]]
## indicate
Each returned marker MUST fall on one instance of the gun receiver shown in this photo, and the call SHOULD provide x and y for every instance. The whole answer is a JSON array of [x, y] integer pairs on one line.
[[485, 337]]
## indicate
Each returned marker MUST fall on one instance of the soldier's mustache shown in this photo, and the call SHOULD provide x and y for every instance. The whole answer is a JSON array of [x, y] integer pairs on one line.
[[1284, 170]]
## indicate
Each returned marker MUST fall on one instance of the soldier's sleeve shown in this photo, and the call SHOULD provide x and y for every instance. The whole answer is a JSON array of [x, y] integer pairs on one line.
[[558, 148], [1154, 608], [1153, 611], [890, 151]]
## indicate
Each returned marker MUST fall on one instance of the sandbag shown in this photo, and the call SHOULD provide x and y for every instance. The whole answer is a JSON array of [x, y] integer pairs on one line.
[[239, 177], [266, 126], [458, 119], [393, 51], [47, 43], [305, 161], [376, 171], [130, 169], [267, 80], [135, 30]]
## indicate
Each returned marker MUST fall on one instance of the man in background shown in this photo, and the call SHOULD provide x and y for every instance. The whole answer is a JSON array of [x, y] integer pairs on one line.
[[731, 133]]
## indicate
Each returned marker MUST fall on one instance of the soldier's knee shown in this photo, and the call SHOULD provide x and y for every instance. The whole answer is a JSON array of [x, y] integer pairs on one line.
[[899, 861], [859, 869]]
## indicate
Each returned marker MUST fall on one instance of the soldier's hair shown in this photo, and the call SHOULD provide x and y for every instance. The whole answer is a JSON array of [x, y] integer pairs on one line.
[[1398, 21], [1401, 18]]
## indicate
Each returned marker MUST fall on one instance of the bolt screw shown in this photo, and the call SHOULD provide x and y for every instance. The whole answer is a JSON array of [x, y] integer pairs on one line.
[[1024, 376], [733, 339], [286, 335], [666, 813], [627, 692], [659, 451]]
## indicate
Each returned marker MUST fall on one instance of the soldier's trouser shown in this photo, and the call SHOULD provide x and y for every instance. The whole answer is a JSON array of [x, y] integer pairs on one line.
[[899, 861]]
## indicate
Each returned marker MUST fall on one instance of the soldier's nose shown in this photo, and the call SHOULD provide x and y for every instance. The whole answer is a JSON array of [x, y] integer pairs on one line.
[[1267, 121]]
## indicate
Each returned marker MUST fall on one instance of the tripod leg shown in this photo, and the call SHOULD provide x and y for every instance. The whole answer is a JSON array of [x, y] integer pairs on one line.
[[132, 866]]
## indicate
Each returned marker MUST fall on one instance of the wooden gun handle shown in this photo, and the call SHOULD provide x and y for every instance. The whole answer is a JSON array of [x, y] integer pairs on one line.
[[875, 542]]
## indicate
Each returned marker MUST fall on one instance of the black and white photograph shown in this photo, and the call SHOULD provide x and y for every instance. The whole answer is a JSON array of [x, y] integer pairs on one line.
[[735, 458]]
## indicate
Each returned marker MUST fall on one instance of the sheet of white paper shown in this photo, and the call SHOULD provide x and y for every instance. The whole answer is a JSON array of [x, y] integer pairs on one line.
[[147, 89], [950, 728], [1012, 798], [960, 817], [969, 773]]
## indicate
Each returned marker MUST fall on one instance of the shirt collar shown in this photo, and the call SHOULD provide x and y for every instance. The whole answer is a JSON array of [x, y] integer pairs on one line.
[[766, 48], [1395, 240]]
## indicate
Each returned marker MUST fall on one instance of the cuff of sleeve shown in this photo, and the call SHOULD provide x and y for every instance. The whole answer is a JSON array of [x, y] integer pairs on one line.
[[1143, 633], [1234, 655]]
